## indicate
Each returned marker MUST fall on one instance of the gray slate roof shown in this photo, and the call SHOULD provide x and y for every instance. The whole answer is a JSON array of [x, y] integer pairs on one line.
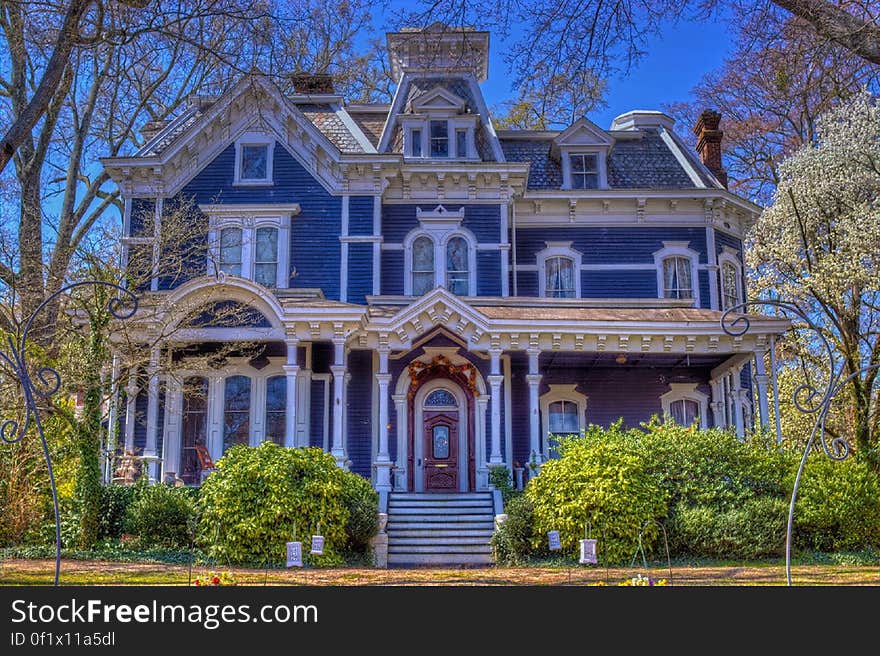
[[167, 135], [645, 163], [545, 171]]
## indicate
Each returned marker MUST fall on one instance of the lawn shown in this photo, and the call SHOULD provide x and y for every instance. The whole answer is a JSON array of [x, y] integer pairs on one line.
[[92, 572]]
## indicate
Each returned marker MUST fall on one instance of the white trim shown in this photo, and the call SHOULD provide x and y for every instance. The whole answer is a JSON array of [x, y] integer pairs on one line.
[[558, 249], [558, 392], [686, 392], [712, 267], [678, 249], [729, 256], [254, 138], [504, 247], [439, 232], [249, 219], [343, 255], [681, 158], [355, 130]]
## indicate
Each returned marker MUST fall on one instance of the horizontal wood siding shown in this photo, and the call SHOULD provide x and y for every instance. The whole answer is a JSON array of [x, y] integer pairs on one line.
[[190, 257], [314, 247], [722, 239], [392, 272], [359, 406], [140, 420], [360, 215], [519, 408], [527, 283], [141, 217], [360, 272], [632, 393], [316, 418], [619, 284], [488, 273], [704, 289], [608, 245]]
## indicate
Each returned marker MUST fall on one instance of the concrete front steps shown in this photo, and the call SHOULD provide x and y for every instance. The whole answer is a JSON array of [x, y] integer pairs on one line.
[[440, 529]]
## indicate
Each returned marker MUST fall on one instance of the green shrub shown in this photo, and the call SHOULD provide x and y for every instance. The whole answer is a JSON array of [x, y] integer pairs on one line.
[[601, 481], [161, 516], [512, 540], [755, 530], [115, 501], [362, 503], [709, 468], [838, 506], [258, 496], [499, 478]]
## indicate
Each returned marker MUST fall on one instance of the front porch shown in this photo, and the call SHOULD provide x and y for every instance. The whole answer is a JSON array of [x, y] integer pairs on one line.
[[428, 395]]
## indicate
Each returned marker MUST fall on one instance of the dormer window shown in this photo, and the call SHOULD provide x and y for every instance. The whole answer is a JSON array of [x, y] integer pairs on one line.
[[253, 160], [439, 139], [415, 142], [584, 170]]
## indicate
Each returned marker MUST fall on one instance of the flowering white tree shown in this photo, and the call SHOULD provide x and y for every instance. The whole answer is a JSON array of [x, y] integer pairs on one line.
[[818, 246]]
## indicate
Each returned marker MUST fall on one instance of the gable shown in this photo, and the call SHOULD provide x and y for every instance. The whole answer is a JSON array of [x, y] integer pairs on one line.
[[584, 132], [438, 99]]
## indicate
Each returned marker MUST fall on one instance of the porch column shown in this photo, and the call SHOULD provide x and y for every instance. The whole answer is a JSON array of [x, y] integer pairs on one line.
[[173, 415], [152, 411], [735, 392], [112, 422], [339, 371], [534, 380], [761, 378], [482, 473], [400, 470], [775, 385], [495, 381], [383, 458], [717, 385], [131, 392], [291, 371]]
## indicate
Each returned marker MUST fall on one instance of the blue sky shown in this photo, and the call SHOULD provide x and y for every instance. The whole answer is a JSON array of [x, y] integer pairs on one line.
[[676, 60]]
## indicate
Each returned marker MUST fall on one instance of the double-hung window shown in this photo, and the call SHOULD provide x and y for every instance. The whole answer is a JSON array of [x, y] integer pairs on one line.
[[422, 265], [439, 138], [677, 279], [266, 257], [584, 170], [230, 251], [559, 277], [457, 268]]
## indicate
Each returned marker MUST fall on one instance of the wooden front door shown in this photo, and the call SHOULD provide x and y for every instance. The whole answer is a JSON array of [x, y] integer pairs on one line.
[[441, 451]]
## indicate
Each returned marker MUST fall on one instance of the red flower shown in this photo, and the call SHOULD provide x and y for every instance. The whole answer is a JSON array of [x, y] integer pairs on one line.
[[216, 580], [198, 582]]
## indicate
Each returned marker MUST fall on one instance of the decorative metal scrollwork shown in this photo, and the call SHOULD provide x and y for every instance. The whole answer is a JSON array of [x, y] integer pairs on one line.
[[808, 399], [46, 381]]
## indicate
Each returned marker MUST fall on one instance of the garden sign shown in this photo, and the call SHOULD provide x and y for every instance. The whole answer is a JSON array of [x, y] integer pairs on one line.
[[294, 554], [553, 539]]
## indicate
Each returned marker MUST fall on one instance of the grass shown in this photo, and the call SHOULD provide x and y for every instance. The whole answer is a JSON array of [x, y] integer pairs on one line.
[[769, 573]]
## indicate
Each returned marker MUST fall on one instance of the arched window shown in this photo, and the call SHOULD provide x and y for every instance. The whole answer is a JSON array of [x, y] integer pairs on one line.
[[686, 405], [422, 265], [559, 270], [457, 269], [563, 409], [236, 411], [559, 277], [230, 251], [194, 428], [677, 279], [266, 257], [440, 398], [730, 283], [684, 412], [563, 419], [276, 407]]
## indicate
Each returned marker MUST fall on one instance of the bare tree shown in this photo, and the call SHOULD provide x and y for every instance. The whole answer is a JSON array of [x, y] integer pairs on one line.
[[559, 37], [780, 78]]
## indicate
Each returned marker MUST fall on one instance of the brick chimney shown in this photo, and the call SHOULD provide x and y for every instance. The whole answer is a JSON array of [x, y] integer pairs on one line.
[[709, 143], [312, 83]]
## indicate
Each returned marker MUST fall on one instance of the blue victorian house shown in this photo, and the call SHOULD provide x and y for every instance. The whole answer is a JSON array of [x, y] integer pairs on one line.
[[432, 296]]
